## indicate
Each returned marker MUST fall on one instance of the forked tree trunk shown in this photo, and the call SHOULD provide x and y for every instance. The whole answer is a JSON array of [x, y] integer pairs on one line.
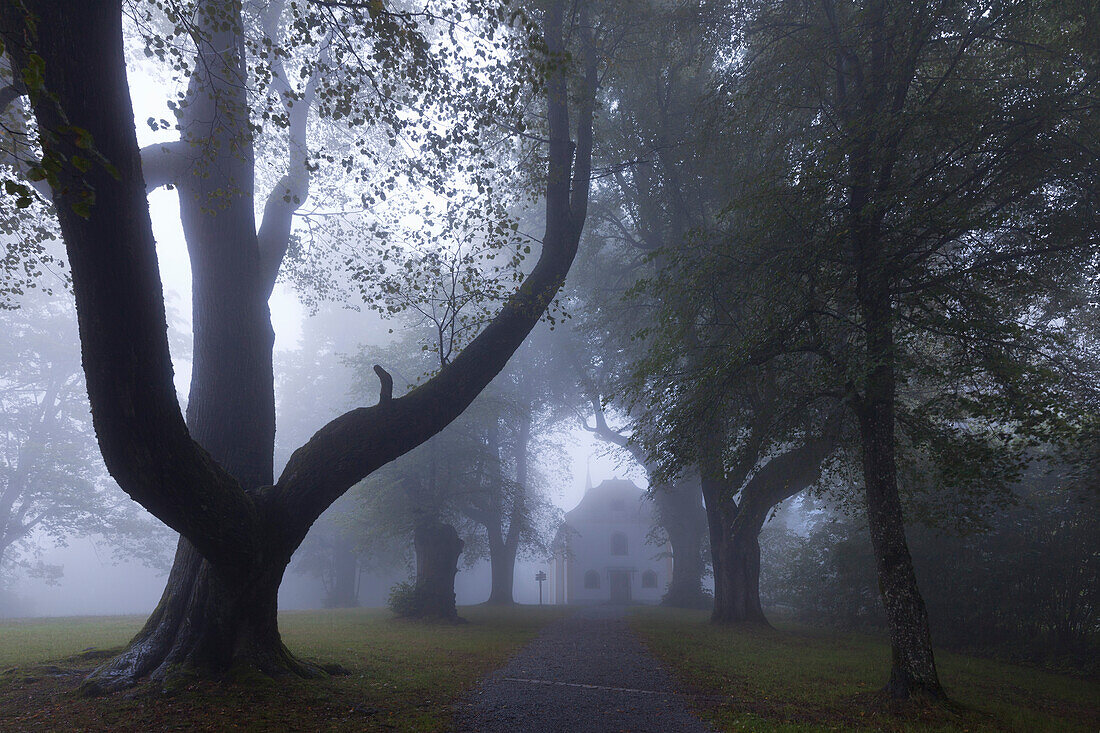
[[734, 550], [735, 528], [438, 548], [218, 612], [210, 619], [214, 617]]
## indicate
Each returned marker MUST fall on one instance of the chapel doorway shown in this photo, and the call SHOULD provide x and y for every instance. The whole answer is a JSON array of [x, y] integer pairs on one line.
[[619, 582]]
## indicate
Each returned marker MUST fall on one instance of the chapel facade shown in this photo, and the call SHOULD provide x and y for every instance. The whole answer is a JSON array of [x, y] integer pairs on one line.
[[600, 550]]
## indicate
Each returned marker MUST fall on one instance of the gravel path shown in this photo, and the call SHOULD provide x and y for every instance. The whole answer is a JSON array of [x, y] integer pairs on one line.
[[587, 672]]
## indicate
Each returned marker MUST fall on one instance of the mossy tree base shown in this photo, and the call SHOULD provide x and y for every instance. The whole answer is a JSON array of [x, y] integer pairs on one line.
[[210, 623]]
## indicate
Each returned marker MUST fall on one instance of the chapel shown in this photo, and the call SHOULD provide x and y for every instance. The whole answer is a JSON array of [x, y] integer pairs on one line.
[[601, 553]]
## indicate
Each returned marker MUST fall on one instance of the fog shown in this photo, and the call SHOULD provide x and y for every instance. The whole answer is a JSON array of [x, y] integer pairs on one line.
[[93, 582], [769, 315]]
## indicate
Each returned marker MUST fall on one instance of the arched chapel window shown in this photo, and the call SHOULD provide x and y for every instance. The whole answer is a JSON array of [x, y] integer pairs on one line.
[[618, 544], [649, 579], [591, 579]]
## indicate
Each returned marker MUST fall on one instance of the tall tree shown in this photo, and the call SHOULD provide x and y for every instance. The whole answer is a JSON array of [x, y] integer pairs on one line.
[[930, 195], [215, 486], [507, 496], [650, 199]]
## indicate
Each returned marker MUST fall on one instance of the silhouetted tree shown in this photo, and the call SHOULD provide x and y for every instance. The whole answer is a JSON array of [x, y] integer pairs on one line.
[[213, 482]]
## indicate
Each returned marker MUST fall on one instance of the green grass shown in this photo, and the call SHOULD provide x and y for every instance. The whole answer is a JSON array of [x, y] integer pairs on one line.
[[403, 675], [38, 640], [801, 680]]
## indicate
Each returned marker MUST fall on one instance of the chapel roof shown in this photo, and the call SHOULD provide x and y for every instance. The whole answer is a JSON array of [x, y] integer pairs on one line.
[[612, 500]]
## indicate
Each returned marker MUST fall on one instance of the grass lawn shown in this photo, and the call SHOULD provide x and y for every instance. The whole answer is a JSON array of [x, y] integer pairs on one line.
[[802, 680], [404, 675]]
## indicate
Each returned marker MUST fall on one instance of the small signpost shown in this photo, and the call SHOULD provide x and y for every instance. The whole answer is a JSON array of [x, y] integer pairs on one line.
[[540, 576]]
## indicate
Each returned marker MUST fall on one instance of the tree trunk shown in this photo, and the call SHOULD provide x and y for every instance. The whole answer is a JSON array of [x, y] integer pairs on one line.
[[503, 546], [735, 555], [344, 592], [502, 563], [914, 669], [683, 518], [438, 548], [209, 619], [736, 558], [685, 590]]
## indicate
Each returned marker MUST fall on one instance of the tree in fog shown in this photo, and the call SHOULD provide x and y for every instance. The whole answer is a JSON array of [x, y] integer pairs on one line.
[[479, 481], [1019, 581], [53, 485], [650, 354], [757, 437], [649, 197], [211, 477], [918, 221], [678, 509], [509, 496]]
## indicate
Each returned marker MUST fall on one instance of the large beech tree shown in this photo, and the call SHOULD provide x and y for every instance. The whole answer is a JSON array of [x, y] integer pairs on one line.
[[210, 477]]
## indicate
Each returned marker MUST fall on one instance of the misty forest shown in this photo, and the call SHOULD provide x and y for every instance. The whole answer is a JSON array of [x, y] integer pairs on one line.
[[550, 365]]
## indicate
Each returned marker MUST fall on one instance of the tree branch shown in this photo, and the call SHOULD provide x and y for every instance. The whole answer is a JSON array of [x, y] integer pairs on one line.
[[119, 298], [789, 473], [386, 391], [9, 94], [163, 164], [291, 191], [358, 442]]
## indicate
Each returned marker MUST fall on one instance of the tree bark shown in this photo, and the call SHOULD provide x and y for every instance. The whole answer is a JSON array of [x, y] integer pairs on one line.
[[913, 668], [737, 580], [210, 617], [735, 556], [231, 384]]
